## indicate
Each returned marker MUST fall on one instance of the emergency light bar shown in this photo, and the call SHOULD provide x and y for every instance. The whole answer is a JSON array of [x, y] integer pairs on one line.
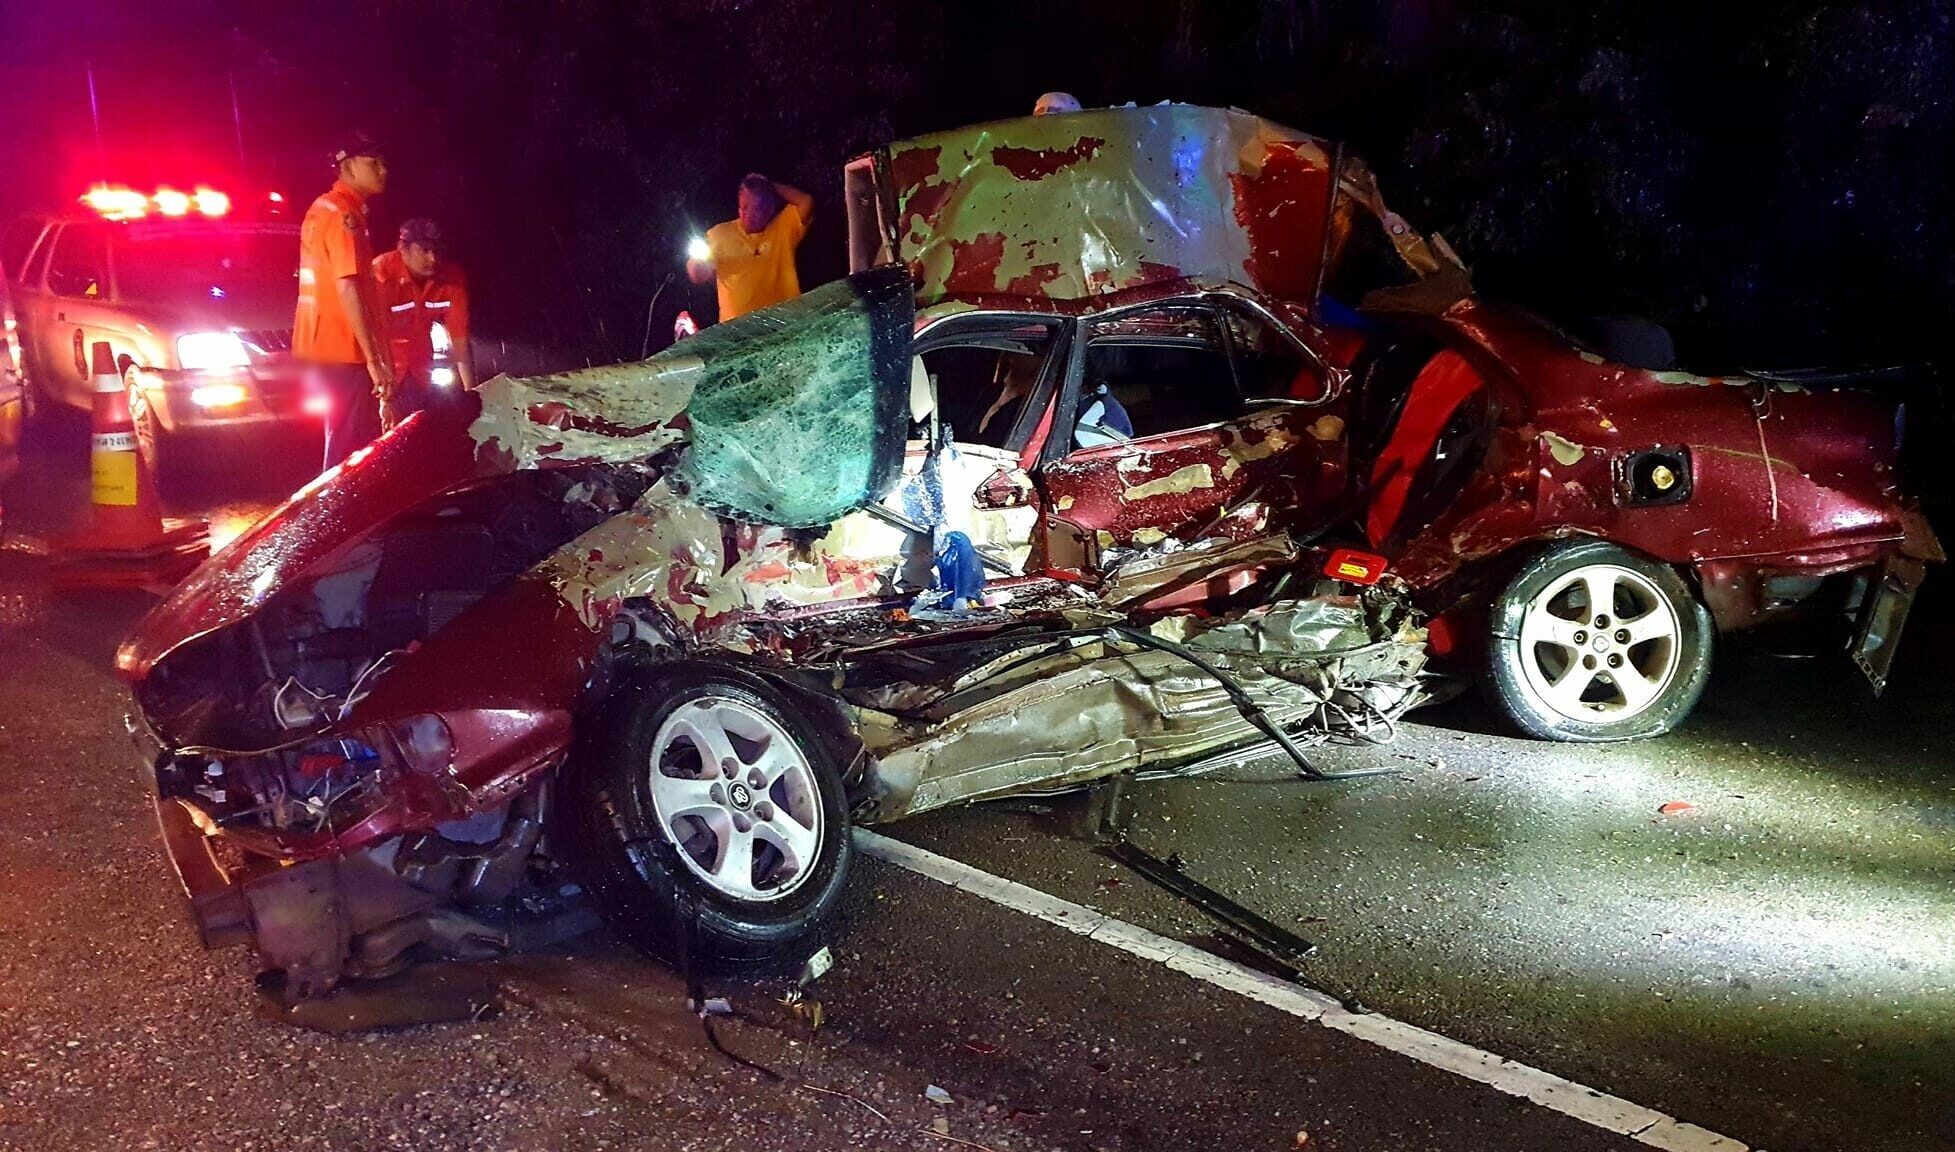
[[119, 202]]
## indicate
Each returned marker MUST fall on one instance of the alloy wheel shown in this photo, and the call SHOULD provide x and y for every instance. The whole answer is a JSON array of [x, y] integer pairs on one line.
[[737, 796], [1599, 643]]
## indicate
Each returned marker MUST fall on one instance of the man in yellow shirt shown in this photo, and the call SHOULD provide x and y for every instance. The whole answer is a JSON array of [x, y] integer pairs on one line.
[[752, 256]]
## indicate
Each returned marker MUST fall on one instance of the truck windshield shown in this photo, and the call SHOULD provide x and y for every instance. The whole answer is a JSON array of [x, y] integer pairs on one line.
[[245, 265]]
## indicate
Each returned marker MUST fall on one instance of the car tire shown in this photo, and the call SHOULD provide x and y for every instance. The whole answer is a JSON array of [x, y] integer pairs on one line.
[[1562, 668], [162, 452], [646, 847]]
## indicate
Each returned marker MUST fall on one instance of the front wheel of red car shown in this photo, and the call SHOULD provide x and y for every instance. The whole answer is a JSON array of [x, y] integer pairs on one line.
[[708, 790], [1590, 642]]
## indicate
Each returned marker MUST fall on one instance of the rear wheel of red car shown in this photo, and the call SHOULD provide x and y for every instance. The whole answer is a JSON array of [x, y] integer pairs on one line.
[[710, 785], [1590, 642]]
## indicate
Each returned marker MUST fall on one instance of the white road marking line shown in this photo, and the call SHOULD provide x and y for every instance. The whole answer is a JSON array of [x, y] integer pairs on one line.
[[1611, 1113]]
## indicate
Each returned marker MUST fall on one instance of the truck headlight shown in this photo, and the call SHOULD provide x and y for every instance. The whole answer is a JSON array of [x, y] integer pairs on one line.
[[205, 351]]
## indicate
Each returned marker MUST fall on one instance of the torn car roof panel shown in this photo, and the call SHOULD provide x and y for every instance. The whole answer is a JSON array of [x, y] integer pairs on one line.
[[1089, 203]]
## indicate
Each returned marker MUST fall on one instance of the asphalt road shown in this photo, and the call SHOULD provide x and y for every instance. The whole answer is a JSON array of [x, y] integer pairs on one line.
[[1773, 962]]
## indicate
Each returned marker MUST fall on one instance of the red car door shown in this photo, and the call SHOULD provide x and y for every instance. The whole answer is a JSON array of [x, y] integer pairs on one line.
[[1187, 421]]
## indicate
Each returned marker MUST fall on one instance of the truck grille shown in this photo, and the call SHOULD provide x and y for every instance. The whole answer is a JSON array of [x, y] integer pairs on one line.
[[268, 340]]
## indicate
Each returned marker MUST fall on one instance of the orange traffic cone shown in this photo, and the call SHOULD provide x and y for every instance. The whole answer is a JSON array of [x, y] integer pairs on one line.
[[128, 543]]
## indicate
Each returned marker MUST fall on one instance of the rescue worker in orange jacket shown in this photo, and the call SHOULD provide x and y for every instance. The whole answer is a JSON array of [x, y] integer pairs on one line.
[[424, 299], [336, 331]]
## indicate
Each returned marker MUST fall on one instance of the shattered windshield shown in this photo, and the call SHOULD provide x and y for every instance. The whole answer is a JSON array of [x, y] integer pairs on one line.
[[799, 411], [791, 416]]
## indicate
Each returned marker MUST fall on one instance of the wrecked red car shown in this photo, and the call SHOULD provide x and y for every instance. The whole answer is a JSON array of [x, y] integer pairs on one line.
[[1579, 528], [1086, 470]]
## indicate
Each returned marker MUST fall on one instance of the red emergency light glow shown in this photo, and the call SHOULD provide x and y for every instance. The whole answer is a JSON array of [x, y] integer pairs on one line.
[[119, 202], [1355, 567]]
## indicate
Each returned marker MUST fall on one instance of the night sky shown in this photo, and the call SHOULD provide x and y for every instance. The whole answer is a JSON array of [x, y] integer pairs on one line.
[[1772, 183]]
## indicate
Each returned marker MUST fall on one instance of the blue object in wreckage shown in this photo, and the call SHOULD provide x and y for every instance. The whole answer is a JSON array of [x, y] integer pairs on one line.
[[959, 572]]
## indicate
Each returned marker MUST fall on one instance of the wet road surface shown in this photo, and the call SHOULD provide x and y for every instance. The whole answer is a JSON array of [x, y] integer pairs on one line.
[[1775, 962], [1772, 962]]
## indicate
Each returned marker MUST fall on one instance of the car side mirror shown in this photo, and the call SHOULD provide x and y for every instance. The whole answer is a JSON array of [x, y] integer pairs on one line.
[[1005, 488]]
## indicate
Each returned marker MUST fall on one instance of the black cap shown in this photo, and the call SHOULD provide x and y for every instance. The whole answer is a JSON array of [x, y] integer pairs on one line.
[[422, 231], [358, 144]]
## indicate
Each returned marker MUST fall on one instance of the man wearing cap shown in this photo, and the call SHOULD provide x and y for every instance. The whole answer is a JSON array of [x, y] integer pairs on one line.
[[336, 332], [424, 298], [752, 255]]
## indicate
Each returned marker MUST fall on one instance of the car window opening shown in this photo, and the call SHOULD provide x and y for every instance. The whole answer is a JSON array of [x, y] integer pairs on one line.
[[983, 387], [81, 263], [1167, 371]]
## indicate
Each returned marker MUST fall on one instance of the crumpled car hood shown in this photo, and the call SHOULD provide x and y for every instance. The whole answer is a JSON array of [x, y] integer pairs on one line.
[[790, 417], [424, 456]]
